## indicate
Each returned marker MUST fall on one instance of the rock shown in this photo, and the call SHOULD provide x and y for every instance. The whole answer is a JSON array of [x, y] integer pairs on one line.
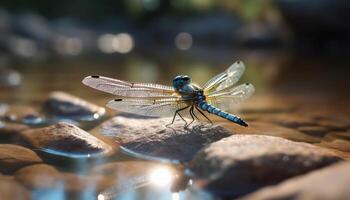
[[265, 128], [10, 130], [38, 176], [328, 183], [18, 112], [338, 140], [291, 120], [334, 125], [66, 105], [14, 157], [241, 164], [11, 189], [151, 138], [67, 140], [313, 130]]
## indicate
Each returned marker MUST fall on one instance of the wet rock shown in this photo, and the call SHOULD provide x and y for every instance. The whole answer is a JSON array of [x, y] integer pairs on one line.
[[149, 137], [18, 112], [14, 157], [65, 105], [11, 189], [266, 128], [38, 176], [32, 120], [338, 140], [10, 130], [241, 164], [328, 183], [313, 130], [67, 140]]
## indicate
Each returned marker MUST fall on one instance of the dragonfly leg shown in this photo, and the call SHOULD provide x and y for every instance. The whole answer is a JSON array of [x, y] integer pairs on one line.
[[177, 113], [192, 116], [204, 115]]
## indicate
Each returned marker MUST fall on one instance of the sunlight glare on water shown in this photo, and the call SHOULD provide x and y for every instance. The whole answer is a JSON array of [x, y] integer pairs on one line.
[[175, 196], [161, 177]]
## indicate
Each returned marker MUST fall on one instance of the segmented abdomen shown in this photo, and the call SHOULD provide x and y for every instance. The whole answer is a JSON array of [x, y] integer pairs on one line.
[[216, 111]]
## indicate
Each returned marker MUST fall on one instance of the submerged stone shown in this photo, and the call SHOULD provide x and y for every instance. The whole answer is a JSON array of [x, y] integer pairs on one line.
[[67, 140], [328, 183], [14, 157], [150, 138], [11, 189], [61, 104], [241, 164], [38, 176]]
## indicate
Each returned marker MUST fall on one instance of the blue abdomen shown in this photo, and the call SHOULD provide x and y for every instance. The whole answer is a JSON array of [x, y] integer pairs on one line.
[[216, 111]]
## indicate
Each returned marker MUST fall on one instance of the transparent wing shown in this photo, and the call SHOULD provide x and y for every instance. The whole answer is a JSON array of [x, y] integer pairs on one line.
[[126, 89], [147, 107], [229, 98], [225, 79]]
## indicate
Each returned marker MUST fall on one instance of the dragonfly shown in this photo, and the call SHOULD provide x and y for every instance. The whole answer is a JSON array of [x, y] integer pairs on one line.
[[216, 96]]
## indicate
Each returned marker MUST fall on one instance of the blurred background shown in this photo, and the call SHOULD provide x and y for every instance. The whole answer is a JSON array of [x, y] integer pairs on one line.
[[290, 47]]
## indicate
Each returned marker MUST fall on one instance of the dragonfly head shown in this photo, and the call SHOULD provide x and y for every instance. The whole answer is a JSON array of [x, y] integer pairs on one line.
[[180, 81]]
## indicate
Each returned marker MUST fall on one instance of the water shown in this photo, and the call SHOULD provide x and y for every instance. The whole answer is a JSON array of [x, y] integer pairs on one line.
[[313, 84]]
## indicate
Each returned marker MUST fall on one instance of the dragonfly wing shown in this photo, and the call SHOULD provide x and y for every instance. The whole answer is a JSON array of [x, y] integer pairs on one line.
[[126, 89], [215, 81], [147, 107], [226, 100], [226, 79]]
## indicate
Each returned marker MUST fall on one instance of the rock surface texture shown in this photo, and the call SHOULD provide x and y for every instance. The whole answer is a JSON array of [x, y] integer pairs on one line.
[[240, 164], [151, 137], [327, 183], [64, 104], [14, 157], [66, 139]]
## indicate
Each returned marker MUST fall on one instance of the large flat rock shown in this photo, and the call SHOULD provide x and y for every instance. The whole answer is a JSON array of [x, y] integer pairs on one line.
[[14, 157], [328, 183], [150, 137], [68, 140], [241, 164]]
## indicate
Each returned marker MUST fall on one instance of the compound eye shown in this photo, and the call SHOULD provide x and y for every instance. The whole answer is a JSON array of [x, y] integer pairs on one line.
[[186, 78]]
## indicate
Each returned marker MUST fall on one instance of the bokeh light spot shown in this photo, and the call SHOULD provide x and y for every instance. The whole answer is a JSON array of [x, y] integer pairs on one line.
[[183, 41]]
